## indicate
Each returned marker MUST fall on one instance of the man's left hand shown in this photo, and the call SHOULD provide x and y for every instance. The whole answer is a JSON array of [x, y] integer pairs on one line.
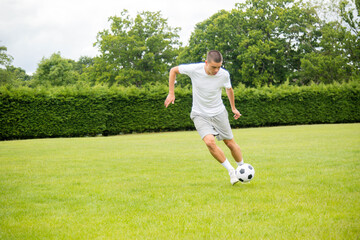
[[237, 114]]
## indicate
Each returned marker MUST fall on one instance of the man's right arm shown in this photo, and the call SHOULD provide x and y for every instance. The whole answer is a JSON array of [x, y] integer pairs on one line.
[[172, 77]]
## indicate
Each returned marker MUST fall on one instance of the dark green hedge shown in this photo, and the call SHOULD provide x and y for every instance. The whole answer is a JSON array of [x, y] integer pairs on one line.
[[288, 105], [84, 111]]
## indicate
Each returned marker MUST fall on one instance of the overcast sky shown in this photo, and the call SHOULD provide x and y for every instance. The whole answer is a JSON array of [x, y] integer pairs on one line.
[[33, 29]]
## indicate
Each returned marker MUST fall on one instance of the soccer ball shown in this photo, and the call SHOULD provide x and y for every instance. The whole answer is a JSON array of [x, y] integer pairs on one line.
[[245, 172]]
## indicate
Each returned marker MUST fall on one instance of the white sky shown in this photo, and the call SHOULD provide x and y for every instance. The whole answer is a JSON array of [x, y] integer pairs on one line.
[[33, 29]]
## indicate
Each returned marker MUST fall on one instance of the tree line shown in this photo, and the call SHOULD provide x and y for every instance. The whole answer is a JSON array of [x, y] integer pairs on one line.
[[263, 43]]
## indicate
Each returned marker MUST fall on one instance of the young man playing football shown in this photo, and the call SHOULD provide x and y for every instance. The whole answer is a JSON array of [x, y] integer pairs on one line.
[[208, 111]]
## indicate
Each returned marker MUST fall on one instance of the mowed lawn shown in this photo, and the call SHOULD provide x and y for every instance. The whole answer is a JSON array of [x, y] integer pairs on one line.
[[167, 186]]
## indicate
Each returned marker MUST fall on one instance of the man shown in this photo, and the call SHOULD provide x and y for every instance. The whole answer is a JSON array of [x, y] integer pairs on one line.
[[208, 111]]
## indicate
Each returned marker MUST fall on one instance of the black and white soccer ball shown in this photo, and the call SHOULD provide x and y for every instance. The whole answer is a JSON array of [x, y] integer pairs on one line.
[[245, 173]]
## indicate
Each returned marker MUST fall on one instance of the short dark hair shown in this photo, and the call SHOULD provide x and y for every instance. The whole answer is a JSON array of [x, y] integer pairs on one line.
[[214, 56]]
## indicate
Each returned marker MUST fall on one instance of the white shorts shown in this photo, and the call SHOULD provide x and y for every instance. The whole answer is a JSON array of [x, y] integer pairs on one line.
[[218, 125]]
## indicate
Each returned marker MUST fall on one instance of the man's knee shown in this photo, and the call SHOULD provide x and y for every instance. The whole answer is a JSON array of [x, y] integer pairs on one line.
[[210, 141], [231, 144]]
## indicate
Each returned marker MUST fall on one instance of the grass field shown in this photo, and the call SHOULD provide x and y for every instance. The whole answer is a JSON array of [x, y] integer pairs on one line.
[[167, 186]]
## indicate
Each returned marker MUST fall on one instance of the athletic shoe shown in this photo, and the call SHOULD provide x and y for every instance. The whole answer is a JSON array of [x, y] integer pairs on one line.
[[233, 177]]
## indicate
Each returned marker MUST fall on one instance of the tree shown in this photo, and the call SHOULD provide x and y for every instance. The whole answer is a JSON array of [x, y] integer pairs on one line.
[[5, 59], [55, 71], [351, 33], [135, 51], [83, 63], [262, 41], [322, 68], [338, 57], [10, 75], [14, 76]]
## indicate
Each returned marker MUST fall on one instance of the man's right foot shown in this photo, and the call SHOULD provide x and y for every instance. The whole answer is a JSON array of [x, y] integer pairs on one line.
[[233, 177]]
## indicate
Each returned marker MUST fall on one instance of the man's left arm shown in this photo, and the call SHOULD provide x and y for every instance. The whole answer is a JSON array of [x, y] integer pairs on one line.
[[230, 94]]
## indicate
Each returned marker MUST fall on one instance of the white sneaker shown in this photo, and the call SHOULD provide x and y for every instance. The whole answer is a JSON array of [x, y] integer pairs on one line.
[[233, 177]]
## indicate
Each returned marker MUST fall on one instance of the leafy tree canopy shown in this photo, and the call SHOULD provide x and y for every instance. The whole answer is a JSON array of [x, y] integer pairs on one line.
[[262, 41], [5, 59], [271, 42], [135, 51], [55, 71]]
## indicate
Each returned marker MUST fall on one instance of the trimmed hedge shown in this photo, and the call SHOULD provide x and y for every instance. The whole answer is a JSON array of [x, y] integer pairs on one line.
[[84, 111], [289, 105]]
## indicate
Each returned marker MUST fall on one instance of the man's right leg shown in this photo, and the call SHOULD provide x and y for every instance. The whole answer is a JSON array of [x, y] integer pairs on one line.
[[219, 155], [214, 149]]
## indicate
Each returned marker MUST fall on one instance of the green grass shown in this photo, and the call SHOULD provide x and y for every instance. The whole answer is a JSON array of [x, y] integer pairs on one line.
[[167, 186]]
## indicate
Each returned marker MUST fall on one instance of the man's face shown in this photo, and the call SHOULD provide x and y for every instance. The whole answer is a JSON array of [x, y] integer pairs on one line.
[[212, 68]]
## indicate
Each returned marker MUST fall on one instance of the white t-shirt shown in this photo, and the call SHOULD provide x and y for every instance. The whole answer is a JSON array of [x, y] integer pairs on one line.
[[206, 88]]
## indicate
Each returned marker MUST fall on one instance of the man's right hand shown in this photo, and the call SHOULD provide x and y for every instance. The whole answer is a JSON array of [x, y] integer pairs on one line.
[[170, 99]]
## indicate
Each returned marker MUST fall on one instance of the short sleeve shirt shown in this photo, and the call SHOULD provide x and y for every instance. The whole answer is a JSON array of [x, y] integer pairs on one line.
[[206, 88]]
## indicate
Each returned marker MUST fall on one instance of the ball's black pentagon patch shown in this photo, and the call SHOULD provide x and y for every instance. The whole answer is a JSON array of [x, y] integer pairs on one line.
[[250, 176], [242, 171]]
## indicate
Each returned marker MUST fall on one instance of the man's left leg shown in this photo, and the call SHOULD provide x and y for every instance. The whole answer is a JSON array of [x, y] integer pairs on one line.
[[235, 150], [222, 125]]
